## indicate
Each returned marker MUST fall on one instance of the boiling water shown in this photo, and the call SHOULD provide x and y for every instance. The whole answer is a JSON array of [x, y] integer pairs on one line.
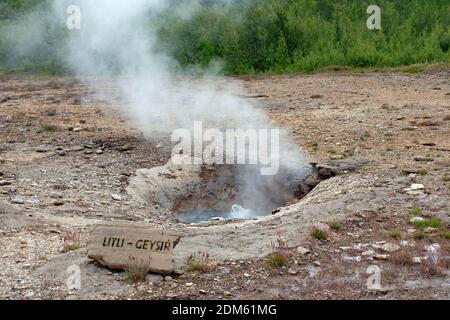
[[237, 213]]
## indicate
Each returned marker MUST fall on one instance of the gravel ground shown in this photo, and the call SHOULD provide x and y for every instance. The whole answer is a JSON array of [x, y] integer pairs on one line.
[[66, 159]]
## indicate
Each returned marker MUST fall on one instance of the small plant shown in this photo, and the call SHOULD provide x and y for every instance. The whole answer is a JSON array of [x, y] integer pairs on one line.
[[276, 261], [347, 154], [198, 262], [434, 223], [419, 235], [403, 257], [445, 235], [136, 270], [71, 242], [423, 172], [280, 255], [396, 234], [319, 234], [335, 225], [416, 210], [49, 127], [446, 178]]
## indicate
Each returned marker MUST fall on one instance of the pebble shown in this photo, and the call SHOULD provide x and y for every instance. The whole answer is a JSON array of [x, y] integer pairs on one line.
[[368, 253], [5, 183], [390, 247], [189, 284], [303, 250], [381, 257], [293, 271], [153, 278], [317, 263], [18, 200], [58, 202], [116, 197], [430, 230], [168, 278], [415, 220], [415, 187]]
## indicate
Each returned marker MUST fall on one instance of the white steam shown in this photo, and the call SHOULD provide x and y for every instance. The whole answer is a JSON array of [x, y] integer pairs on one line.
[[118, 39]]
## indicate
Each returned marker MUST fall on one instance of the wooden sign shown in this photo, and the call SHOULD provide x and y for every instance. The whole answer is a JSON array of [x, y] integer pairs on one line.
[[123, 246]]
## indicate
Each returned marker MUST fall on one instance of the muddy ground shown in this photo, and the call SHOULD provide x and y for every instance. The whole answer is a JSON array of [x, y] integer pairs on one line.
[[66, 159]]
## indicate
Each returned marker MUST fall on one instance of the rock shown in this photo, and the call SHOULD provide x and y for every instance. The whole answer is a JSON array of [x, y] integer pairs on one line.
[[303, 251], [416, 220], [423, 159], [317, 263], [61, 153], [415, 187], [153, 278], [390, 247], [119, 245], [99, 151], [58, 202], [293, 271], [76, 129], [18, 200], [368, 253], [418, 260], [430, 230], [168, 278], [189, 284], [29, 295], [411, 231], [337, 166], [381, 257], [125, 148], [5, 99], [116, 197], [5, 183]]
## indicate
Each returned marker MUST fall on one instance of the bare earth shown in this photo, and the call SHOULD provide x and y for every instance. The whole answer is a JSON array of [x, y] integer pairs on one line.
[[66, 160]]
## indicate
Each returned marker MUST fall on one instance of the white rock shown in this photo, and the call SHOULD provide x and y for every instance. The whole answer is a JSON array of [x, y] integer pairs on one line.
[[430, 230], [415, 187], [368, 253], [116, 197], [390, 247], [303, 250], [417, 219], [18, 200]]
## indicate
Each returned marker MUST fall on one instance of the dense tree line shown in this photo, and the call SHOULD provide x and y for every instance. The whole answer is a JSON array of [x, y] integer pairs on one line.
[[250, 36]]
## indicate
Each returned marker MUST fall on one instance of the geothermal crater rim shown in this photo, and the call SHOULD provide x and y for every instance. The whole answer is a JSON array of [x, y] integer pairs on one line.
[[201, 195]]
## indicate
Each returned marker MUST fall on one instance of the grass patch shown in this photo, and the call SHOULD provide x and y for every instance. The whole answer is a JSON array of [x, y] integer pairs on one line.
[[395, 234], [198, 262], [136, 270], [335, 225], [433, 223], [423, 172], [446, 178], [403, 257], [319, 234], [279, 257], [419, 235], [277, 260], [416, 210], [71, 242], [445, 235], [49, 127]]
